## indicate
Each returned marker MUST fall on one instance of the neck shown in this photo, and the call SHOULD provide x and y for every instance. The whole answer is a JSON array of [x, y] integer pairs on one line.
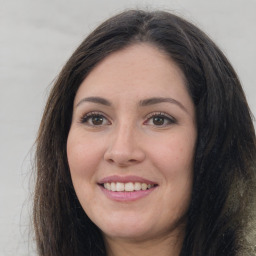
[[167, 246]]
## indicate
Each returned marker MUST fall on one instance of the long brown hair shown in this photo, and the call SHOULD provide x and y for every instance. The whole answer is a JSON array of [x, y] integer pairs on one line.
[[223, 198]]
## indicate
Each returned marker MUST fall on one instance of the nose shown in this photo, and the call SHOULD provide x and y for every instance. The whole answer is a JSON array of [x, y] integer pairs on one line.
[[123, 147]]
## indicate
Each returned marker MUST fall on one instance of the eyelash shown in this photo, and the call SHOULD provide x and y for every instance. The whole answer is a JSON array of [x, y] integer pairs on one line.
[[85, 119], [170, 120]]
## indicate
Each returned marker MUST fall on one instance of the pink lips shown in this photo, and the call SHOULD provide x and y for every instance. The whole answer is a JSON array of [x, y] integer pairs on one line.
[[126, 196]]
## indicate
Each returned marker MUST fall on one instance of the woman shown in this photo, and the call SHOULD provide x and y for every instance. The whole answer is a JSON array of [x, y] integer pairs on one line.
[[146, 146]]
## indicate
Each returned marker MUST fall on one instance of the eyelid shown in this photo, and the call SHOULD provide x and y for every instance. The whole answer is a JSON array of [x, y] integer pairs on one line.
[[163, 114], [91, 114], [170, 118]]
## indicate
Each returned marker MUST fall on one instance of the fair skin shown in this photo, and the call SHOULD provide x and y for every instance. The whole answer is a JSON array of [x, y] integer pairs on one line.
[[133, 129]]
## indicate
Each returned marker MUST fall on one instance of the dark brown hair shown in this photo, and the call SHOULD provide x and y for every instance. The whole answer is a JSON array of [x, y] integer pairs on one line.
[[223, 195]]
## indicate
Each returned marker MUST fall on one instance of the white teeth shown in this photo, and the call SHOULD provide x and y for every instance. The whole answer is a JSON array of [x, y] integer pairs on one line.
[[119, 186], [107, 186], [113, 186], [129, 186], [137, 186], [144, 186]]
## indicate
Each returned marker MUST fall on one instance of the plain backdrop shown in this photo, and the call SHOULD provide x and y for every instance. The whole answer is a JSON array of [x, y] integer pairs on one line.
[[38, 36]]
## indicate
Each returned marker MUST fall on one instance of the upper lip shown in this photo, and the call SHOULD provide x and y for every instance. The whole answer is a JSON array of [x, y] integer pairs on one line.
[[125, 179]]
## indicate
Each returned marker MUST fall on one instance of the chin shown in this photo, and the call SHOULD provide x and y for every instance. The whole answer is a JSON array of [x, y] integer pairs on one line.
[[140, 228], [137, 234], [126, 228]]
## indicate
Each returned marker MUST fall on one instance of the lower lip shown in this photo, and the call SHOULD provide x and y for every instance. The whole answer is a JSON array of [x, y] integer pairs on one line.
[[126, 196]]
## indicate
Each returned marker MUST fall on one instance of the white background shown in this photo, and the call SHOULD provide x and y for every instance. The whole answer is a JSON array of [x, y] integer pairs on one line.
[[38, 36]]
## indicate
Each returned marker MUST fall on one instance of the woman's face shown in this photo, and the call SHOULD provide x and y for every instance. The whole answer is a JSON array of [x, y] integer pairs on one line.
[[131, 144]]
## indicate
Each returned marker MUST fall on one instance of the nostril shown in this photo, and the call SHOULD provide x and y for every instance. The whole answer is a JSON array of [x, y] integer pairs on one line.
[[124, 156]]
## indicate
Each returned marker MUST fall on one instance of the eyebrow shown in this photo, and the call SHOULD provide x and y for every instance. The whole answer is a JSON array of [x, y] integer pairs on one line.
[[142, 103], [157, 100], [97, 100]]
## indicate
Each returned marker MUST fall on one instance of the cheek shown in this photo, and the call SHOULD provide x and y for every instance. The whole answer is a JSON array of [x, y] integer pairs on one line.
[[174, 155], [83, 159], [82, 155]]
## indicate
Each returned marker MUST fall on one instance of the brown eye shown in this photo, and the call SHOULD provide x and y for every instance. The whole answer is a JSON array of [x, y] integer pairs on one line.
[[158, 120], [97, 120], [94, 119]]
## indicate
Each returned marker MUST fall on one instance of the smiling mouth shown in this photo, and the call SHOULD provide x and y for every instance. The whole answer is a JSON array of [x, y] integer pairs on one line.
[[127, 187]]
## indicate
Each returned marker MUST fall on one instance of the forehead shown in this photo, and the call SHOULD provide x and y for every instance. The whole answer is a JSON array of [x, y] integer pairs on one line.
[[140, 70]]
